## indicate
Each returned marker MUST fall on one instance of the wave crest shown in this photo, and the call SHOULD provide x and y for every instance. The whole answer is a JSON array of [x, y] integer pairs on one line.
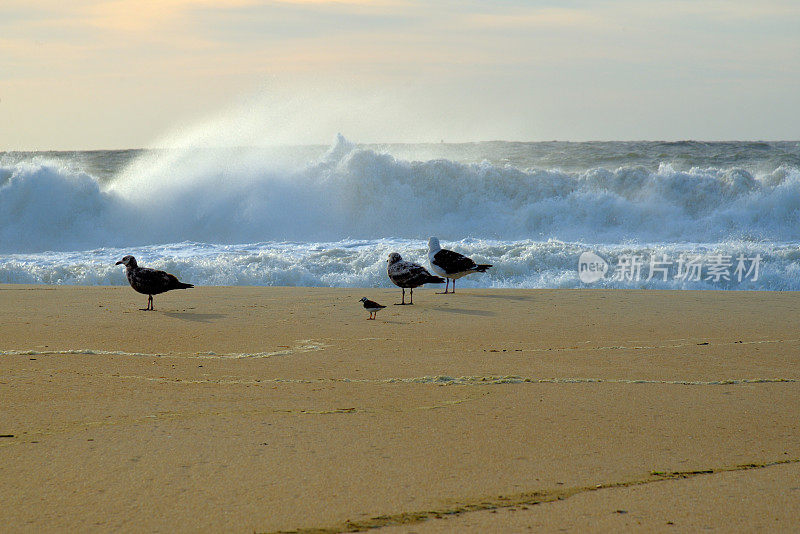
[[234, 197]]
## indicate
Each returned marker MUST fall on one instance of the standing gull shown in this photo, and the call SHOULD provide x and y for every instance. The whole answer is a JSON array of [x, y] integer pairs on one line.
[[372, 307], [451, 265], [405, 274], [149, 281]]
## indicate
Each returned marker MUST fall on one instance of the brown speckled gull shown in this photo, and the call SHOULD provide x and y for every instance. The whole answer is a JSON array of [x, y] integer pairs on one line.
[[406, 274], [149, 281]]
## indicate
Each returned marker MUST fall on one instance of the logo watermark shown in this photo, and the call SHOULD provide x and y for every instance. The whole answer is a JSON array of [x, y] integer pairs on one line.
[[591, 267], [715, 268]]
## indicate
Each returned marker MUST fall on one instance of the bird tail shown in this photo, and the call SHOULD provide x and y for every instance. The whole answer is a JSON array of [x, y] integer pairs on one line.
[[482, 268], [435, 280], [181, 285]]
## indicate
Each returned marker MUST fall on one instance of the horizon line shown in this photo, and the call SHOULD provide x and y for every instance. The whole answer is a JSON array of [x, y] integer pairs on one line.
[[373, 143]]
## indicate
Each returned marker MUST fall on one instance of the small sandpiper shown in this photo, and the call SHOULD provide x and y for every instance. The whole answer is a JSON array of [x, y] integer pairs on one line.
[[372, 307]]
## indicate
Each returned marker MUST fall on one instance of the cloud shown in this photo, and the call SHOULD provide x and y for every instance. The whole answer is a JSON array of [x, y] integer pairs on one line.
[[154, 62], [146, 15], [550, 18]]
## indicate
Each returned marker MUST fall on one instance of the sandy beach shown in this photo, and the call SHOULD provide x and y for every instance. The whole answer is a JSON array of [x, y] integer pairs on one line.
[[271, 409]]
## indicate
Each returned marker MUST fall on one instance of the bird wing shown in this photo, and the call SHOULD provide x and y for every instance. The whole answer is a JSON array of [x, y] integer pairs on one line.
[[151, 281], [408, 274], [453, 262]]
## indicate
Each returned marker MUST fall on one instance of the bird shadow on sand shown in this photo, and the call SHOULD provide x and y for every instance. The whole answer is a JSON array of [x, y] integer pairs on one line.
[[195, 317], [465, 311], [500, 296]]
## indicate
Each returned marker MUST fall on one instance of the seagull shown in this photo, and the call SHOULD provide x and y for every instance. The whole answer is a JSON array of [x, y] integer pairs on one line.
[[372, 307], [451, 265], [149, 281], [405, 274]]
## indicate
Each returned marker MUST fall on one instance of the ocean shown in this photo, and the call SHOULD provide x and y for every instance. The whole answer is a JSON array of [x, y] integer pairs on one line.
[[661, 215]]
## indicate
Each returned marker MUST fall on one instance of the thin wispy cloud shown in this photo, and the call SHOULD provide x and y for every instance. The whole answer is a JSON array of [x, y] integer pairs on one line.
[[530, 63]]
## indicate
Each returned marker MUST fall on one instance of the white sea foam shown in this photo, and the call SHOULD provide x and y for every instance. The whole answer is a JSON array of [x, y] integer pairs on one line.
[[349, 263]]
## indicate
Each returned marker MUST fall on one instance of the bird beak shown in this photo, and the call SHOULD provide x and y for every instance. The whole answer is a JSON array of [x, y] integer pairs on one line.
[[118, 263]]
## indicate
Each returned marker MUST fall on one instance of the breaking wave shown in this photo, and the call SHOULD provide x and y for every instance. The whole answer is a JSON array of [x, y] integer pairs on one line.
[[354, 193]]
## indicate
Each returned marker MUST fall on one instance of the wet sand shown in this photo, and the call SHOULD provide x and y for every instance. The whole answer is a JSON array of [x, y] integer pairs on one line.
[[283, 409]]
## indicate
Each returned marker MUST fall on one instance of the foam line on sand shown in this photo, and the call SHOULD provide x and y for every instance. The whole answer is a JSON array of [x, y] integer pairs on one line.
[[534, 497]]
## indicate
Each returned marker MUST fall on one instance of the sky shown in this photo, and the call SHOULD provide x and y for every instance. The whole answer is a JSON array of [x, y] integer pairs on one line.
[[93, 74]]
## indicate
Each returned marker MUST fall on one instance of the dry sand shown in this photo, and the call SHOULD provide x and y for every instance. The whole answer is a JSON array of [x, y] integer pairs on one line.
[[283, 409]]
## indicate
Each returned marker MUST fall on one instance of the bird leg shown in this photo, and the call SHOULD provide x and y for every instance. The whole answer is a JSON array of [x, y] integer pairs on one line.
[[149, 304], [454, 286], [446, 285], [403, 303]]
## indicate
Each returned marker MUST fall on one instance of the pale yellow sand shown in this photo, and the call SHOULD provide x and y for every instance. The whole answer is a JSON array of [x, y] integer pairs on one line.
[[264, 409]]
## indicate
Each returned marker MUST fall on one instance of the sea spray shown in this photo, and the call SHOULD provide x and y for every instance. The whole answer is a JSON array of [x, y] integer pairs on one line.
[[359, 193]]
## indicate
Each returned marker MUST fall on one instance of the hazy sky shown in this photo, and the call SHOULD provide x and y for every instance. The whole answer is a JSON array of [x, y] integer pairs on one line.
[[89, 74]]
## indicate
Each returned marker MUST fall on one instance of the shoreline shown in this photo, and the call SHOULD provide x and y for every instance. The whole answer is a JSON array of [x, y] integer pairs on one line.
[[283, 409]]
